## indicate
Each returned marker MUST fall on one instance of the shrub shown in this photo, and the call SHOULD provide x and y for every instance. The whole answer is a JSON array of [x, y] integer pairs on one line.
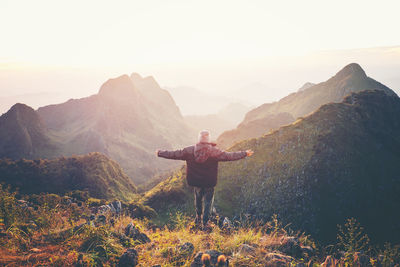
[[390, 255], [351, 238], [9, 210], [98, 241], [79, 195]]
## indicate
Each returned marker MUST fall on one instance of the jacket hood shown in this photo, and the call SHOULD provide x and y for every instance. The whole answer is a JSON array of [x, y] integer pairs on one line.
[[202, 151]]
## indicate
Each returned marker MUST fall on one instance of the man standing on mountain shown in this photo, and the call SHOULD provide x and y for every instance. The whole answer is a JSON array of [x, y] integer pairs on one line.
[[202, 170]]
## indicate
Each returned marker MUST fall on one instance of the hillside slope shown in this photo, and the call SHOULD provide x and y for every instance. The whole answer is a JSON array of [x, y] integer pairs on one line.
[[96, 173], [341, 161], [352, 78]]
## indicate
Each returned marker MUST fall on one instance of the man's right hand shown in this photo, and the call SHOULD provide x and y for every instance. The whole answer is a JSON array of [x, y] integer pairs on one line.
[[158, 150], [249, 152]]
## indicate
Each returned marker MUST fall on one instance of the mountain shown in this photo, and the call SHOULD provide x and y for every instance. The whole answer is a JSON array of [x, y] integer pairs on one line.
[[212, 122], [23, 134], [339, 162], [233, 112], [352, 78], [305, 86], [256, 93], [127, 120], [95, 172], [227, 118], [255, 128], [192, 101]]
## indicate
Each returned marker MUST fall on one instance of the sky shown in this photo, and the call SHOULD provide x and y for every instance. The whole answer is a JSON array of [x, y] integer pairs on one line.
[[71, 47]]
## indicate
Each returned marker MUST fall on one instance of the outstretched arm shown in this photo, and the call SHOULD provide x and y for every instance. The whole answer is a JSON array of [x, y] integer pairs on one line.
[[231, 156], [177, 154]]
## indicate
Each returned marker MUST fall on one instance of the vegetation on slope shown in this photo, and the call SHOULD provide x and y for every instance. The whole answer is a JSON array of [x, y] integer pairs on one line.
[[94, 172], [341, 161], [54, 233]]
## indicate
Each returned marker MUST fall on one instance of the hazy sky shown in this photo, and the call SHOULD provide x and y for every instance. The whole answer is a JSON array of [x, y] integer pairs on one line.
[[218, 46]]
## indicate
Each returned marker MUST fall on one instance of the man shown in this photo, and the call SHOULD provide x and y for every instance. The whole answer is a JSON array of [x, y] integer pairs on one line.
[[202, 170]]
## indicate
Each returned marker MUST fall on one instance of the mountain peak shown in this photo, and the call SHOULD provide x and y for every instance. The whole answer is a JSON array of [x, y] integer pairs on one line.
[[19, 107], [136, 77], [22, 112], [351, 69], [120, 86]]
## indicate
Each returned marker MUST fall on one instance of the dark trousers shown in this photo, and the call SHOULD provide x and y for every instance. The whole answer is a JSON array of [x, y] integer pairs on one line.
[[206, 194]]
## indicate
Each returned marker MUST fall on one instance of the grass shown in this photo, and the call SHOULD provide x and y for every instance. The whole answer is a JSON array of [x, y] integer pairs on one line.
[[51, 233]]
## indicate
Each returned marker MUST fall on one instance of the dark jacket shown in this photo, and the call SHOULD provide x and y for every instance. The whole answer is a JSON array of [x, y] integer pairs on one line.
[[202, 162]]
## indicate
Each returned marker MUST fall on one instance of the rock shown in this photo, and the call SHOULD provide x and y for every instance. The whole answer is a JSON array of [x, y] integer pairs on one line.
[[117, 206], [276, 259], [214, 258], [185, 250], [104, 209], [168, 252], [227, 223], [245, 249], [134, 233], [114, 208], [101, 219], [123, 239], [129, 258], [289, 245]]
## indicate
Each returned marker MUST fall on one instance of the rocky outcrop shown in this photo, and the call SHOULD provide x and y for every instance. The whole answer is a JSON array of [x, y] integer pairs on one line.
[[129, 258], [309, 98], [133, 232]]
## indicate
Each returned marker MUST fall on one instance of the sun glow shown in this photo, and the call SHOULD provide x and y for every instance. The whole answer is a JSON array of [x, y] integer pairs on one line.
[[82, 33]]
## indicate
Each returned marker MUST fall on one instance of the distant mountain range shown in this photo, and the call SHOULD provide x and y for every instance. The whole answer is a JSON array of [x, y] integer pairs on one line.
[[307, 99], [193, 101], [226, 118], [127, 120]]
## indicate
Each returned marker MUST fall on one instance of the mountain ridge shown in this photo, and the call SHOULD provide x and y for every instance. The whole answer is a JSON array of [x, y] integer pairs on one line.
[[351, 78]]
